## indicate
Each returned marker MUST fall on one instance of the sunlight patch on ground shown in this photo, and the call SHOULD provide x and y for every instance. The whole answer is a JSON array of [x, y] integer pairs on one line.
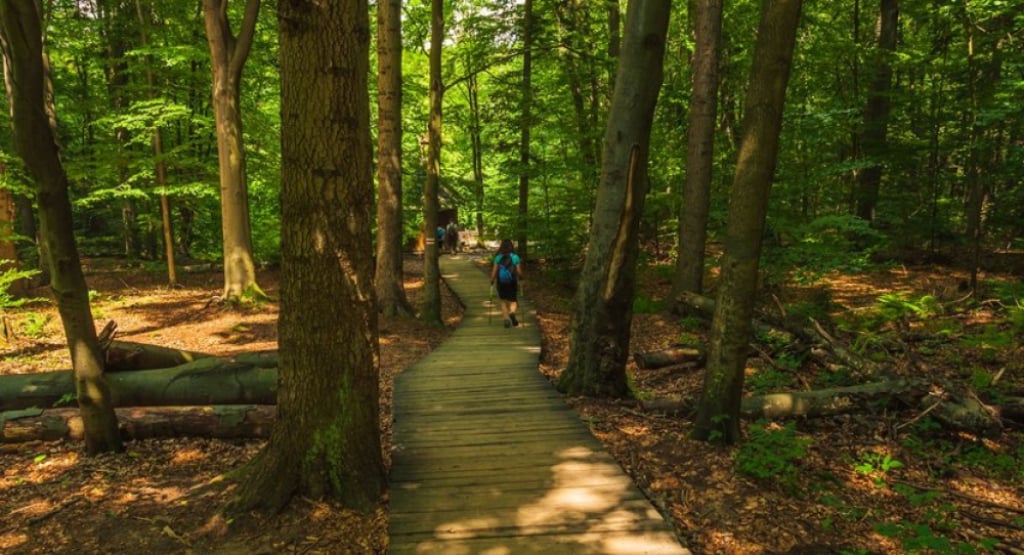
[[50, 468], [187, 456]]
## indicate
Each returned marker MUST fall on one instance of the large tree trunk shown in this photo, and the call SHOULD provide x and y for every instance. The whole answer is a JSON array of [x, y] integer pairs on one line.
[[700, 142], [326, 439], [36, 142], [430, 306], [731, 328], [391, 297], [226, 422], [876, 112], [602, 312], [228, 54]]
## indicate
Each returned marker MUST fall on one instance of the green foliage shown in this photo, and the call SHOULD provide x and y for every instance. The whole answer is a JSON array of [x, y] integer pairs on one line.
[[922, 538], [66, 400], [33, 324], [818, 305], [7, 278], [829, 243], [768, 379], [645, 305], [877, 466], [771, 453]]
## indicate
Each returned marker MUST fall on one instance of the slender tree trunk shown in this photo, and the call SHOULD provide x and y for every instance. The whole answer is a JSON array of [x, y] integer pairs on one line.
[[430, 307], [569, 16], [326, 440], [476, 142], [35, 139], [718, 410], [524, 131], [602, 309], [158, 155], [389, 276], [614, 39], [228, 54], [876, 113], [700, 144]]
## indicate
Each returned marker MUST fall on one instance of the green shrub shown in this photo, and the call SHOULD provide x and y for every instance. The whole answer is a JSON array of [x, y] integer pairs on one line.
[[771, 453]]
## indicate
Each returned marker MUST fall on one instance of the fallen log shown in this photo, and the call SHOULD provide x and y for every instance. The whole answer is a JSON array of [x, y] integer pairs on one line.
[[249, 379], [956, 412], [677, 354], [127, 355], [827, 402], [222, 421]]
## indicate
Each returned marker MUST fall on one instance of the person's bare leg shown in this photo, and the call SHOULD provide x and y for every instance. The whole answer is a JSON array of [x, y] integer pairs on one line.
[[512, 307], [504, 312]]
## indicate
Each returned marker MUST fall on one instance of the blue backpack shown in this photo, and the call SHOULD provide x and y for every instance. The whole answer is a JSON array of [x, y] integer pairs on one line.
[[505, 273]]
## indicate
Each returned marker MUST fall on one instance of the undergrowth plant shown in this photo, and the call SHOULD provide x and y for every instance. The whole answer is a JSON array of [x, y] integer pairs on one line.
[[771, 453]]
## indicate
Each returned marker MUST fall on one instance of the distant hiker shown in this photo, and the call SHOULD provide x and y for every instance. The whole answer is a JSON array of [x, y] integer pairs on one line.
[[506, 273], [451, 237], [440, 239]]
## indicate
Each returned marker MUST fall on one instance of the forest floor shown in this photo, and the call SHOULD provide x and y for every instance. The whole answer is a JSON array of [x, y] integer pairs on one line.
[[881, 482]]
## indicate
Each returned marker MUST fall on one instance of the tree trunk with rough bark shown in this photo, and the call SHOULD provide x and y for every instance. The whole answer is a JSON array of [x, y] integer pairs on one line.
[[326, 440], [228, 54], [602, 315], [430, 306], [391, 297], [700, 143], [876, 112], [36, 142], [731, 330]]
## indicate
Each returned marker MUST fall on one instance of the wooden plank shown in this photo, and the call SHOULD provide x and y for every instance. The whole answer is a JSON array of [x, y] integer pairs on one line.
[[487, 456], [612, 543]]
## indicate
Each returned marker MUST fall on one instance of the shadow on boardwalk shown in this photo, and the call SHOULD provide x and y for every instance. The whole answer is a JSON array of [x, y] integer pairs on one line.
[[489, 459]]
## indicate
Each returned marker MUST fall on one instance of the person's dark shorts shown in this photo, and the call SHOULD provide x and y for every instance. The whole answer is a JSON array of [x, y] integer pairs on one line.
[[508, 291]]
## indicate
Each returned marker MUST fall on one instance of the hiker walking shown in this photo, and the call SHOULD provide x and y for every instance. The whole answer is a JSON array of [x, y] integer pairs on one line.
[[451, 235], [506, 273]]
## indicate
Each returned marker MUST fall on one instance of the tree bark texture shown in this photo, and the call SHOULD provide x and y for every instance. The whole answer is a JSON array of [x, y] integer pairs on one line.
[[731, 328], [391, 297], [35, 139], [430, 306], [228, 54], [700, 143], [876, 112], [602, 314], [326, 440]]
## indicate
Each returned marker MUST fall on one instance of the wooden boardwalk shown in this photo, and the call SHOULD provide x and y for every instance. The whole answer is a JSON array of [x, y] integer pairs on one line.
[[489, 459]]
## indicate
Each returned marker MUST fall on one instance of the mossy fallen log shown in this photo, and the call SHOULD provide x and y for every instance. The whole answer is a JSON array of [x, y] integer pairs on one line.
[[246, 379]]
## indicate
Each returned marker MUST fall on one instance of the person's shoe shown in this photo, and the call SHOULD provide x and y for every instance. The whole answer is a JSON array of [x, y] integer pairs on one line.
[[507, 323], [512, 316]]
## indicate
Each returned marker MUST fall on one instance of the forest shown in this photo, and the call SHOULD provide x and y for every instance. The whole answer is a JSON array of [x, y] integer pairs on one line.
[[776, 251]]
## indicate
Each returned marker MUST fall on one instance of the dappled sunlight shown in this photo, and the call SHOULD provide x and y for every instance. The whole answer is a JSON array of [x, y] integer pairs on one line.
[[465, 528], [188, 456], [588, 504], [38, 469]]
